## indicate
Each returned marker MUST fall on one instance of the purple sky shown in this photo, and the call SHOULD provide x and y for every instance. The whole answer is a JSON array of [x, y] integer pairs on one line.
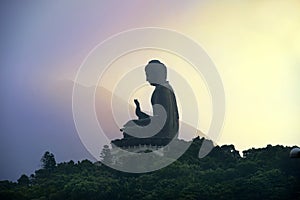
[[41, 43]]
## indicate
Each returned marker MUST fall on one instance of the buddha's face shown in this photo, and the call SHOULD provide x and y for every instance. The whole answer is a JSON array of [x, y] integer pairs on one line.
[[155, 76], [150, 77]]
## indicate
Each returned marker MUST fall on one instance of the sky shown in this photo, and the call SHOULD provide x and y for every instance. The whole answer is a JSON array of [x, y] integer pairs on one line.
[[255, 46]]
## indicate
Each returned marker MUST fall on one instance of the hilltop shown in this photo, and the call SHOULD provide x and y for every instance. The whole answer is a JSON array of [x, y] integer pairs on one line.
[[264, 173]]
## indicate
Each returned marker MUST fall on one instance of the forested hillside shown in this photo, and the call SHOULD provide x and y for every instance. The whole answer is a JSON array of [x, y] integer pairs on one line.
[[265, 173]]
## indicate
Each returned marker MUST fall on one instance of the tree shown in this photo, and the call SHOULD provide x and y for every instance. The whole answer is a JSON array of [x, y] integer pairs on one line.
[[106, 155], [23, 180], [48, 161]]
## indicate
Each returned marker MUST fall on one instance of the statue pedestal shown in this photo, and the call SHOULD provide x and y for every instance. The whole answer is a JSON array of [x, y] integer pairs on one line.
[[139, 151], [141, 145], [130, 142]]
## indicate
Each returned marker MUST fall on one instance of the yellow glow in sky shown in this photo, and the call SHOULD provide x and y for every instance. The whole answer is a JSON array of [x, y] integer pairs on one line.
[[256, 48]]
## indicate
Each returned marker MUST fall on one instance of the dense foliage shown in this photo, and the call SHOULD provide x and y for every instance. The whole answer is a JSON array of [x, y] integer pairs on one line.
[[265, 173]]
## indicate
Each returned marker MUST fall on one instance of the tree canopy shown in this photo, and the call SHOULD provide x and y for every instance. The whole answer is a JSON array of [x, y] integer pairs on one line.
[[48, 161], [264, 173]]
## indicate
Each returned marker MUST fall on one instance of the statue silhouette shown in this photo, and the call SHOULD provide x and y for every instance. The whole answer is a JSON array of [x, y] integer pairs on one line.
[[164, 123]]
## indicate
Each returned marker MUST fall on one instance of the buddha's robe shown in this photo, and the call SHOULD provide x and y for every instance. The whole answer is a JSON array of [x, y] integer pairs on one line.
[[164, 96]]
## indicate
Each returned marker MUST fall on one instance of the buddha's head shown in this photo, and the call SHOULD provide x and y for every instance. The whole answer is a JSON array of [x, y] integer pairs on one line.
[[156, 72]]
